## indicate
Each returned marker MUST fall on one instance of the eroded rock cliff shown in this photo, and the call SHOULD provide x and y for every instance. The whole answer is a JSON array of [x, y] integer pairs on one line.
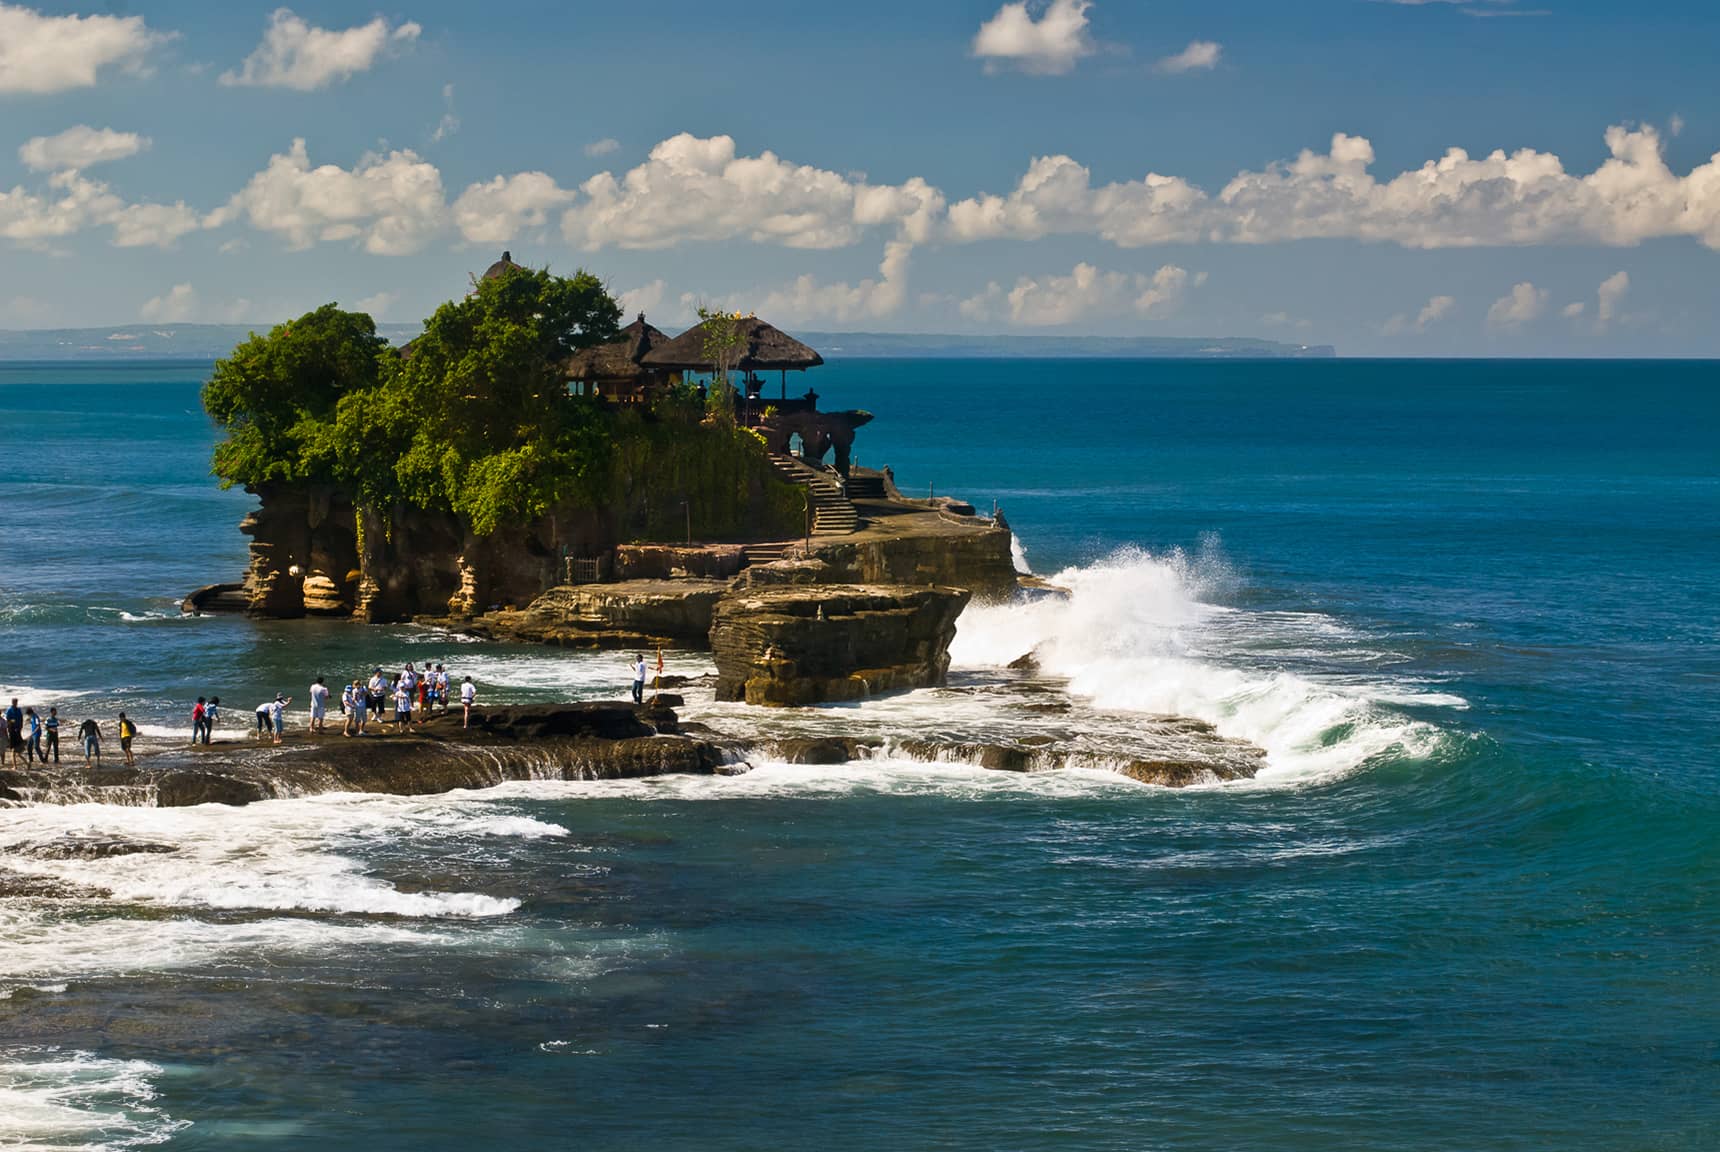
[[813, 644]]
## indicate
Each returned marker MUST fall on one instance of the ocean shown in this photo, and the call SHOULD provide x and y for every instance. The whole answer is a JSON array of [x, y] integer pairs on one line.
[[1470, 609]]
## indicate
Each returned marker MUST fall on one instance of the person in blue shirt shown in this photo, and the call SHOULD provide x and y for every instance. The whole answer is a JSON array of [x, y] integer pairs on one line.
[[33, 738], [15, 732], [53, 727]]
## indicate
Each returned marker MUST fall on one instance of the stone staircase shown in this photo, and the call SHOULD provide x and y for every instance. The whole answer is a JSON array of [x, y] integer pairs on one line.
[[764, 553], [832, 512]]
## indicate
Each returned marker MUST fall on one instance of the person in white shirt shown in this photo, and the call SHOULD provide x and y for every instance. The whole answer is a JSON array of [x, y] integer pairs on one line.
[[402, 704], [271, 717], [319, 705], [639, 675], [468, 696]]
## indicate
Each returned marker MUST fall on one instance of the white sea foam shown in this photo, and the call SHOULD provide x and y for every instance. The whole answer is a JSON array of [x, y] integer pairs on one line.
[[1141, 633], [55, 1100], [881, 777], [277, 856]]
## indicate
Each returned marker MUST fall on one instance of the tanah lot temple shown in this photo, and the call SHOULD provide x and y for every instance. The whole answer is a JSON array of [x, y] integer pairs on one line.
[[643, 362]]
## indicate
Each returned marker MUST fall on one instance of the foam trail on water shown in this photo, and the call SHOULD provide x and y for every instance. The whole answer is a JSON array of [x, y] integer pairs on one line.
[[1140, 633], [57, 1100], [284, 855]]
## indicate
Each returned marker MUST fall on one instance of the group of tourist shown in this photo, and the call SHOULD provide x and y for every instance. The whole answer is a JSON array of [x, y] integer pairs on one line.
[[34, 738], [412, 695]]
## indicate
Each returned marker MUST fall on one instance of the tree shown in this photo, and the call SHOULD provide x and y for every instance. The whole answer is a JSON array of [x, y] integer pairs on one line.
[[722, 341], [275, 392]]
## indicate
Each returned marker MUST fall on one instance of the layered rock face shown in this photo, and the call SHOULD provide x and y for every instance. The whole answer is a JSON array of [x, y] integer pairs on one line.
[[634, 614], [976, 558], [811, 644]]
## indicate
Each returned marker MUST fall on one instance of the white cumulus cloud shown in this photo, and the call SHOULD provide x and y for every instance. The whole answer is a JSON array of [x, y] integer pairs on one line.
[[295, 54], [1611, 294], [699, 189], [1199, 56], [79, 147], [1084, 295], [1049, 44], [41, 53], [500, 209], [71, 202], [175, 306], [390, 204], [1501, 199], [602, 147], [1522, 305], [1436, 309], [646, 298]]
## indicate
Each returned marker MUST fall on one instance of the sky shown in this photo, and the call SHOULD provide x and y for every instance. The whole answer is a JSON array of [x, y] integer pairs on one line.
[[1395, 177]]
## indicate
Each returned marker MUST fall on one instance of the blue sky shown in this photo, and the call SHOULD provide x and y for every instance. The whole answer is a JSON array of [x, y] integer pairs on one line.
[[1163, 168]]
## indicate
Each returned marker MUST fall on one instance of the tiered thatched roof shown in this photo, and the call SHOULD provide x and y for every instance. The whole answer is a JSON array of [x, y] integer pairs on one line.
[[501, 267], [620, 358], [764, 347]]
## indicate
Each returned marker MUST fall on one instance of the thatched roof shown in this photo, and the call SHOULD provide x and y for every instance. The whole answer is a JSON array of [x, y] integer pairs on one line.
[[764, 347], [620, 358], [501, 267]]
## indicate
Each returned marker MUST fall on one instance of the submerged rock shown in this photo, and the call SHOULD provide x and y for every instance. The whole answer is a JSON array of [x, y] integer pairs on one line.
[[799, 645]]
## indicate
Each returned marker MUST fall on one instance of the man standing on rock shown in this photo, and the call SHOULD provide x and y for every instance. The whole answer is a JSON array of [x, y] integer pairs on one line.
[[127, 733], [319, 705], [639, 674], [91, 734], [468, 696]]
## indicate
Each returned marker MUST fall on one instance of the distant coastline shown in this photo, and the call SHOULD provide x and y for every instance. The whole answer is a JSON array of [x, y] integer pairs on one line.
[[210, 341]]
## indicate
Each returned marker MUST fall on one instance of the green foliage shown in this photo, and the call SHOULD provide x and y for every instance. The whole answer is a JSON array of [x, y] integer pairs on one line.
[[475, 419], [275, 393], [723, 474]]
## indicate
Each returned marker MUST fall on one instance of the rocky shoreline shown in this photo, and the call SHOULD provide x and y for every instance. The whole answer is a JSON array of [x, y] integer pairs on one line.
[[602, 741]]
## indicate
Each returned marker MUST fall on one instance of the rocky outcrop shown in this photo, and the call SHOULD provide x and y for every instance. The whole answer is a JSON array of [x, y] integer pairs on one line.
[[639, 614], [799, 645], [974, 556], [538, 742]]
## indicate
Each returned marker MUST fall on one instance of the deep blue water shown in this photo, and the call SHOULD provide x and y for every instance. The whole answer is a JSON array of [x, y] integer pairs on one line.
[[1503, 936]]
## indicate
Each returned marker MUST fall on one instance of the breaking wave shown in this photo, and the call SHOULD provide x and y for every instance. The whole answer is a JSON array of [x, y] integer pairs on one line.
[[1146, 633]]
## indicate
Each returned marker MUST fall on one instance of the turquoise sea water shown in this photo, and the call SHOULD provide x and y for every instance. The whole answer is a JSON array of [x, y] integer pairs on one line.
[[1472, 610]]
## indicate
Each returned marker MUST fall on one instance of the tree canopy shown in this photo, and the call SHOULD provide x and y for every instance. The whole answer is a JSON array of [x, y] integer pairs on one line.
[[473, 416]]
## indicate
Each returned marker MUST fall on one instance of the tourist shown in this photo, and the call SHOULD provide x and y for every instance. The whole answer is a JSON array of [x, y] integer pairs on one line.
[[360, 705], [639, 678], [279, 715], [378, 687], [424, 696], [198, 711], [319, 705], [91, 734], [127, 733], [468, 697], [442, 688], [272, 717], [348, 709], [53, 729], [402, 702], [15, 732], [33, 739], [210, 714]]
